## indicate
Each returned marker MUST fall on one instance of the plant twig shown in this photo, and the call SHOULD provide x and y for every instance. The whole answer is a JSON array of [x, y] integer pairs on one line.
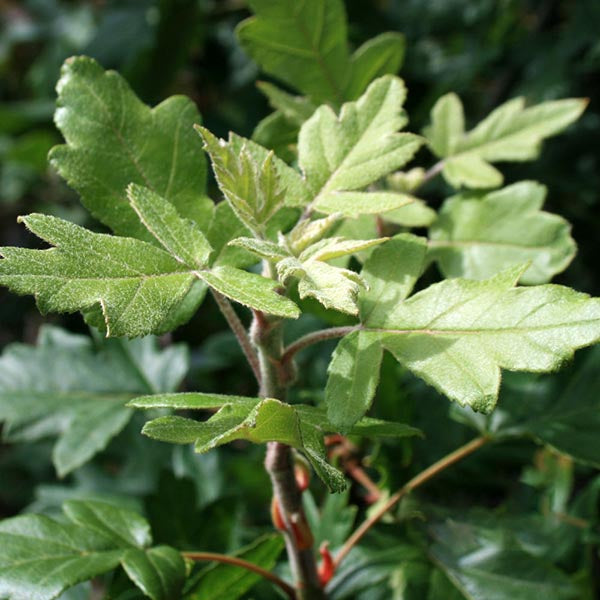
[[415, 482], [243, 564], [433, 171], [239, 331], [314, 337]]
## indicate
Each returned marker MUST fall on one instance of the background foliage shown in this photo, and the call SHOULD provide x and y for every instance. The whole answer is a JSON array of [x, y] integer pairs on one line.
[[515, 500]]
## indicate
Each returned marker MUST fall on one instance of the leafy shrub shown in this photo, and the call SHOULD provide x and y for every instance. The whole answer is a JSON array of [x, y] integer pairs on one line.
[[324, 232]]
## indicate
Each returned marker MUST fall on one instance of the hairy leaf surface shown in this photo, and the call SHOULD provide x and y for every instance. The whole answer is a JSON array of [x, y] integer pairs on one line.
[[512, 132], [113, 139], [346, 153], [476, 237]]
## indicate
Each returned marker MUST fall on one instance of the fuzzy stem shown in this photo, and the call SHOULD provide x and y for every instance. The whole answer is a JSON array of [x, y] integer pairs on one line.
[[239, 331], [244, 564], [433, 172], [415, 482], [315, 337]]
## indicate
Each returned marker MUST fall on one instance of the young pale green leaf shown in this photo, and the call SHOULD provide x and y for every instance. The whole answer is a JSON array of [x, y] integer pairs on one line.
[[261, 248], [302, 44], [459, 333], [41, 557], [362, 145], [181, 238], [76, 389], [291, 181], [251, 188], [135, 283], [509, 133], [219, 580], [354, 204], [390, 274], [353, 378], [307, 232], [335, 247], [379, 56], [415, 214], [483, 569], [259, 421], [113, 139], [475, 237], [251, 290], [333, 287], [447, 126]]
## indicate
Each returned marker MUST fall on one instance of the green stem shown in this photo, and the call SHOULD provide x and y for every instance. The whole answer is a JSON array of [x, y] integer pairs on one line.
[[243, 564]]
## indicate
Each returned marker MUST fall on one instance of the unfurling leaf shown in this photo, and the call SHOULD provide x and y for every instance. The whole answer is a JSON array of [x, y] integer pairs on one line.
[[477, 236], [252, 188], [511, 132], [333, 287]]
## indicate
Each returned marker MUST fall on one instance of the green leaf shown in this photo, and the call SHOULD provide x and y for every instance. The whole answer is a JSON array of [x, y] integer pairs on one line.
[[333, 287], [302, 44], [75, 389], [119, 527], [415, 214], [159, 572], [181, 238], [447, 126], [353, 378], [113, 139], [379, 56], [135, 283], [487, 569], [362, 145], [251, 290], [291, 181], [259, 421], [223, 228], [459, 333], [296, 109], [565, 416], [261, 248], [509, 133], [353, 204], [390, 274], [219, 580], [475, 237], [41, 557], [251, 187]]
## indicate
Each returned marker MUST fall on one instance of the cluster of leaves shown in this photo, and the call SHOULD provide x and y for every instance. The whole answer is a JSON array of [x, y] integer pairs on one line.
[[309, 195]]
